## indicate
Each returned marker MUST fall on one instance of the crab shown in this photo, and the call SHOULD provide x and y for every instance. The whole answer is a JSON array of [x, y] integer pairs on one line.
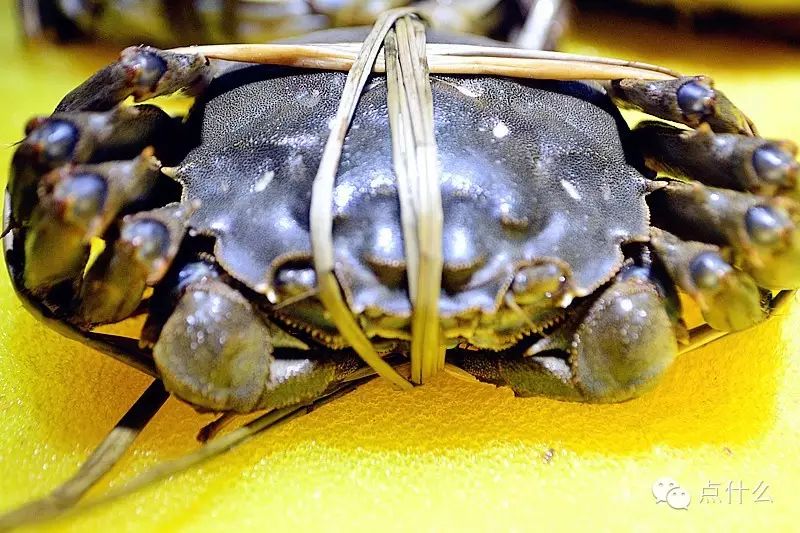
[[557, 239]]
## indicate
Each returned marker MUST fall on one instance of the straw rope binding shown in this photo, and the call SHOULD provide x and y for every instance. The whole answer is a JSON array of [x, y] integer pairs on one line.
[[410, 104]]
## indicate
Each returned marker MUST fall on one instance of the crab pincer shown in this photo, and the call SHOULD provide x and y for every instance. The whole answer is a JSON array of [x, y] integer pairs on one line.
[[618, 346], [216, 352]]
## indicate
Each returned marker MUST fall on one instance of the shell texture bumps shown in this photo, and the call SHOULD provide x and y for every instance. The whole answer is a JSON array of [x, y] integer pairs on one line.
[[529, 170]]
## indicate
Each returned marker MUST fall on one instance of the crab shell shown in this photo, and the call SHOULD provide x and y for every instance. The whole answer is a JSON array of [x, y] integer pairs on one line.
[[530, 172]]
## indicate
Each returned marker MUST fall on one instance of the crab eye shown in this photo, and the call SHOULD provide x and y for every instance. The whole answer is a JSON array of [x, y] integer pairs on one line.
[[54, 141], [765, 225], [151, 240], [696, 98], [707, 269], [773, 164], [537, 282], [82, 197]]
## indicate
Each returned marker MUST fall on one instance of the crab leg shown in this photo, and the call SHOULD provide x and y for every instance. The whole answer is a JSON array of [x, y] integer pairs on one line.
[[690, 100], [739, 199], [142, 72], [80, 137], [223, 443], [102, 459], [87, 125], [77, 203], [728, 160], [728, 298], [761, 232], [65, 498], [113, 287], [86, 136]]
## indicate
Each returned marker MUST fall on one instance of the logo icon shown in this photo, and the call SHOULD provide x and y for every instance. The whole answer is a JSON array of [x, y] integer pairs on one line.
[[668, 490]]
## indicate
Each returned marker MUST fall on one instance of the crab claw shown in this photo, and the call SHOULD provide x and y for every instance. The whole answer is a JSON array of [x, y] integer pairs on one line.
[[624, 344], [214, 351], [618, 347]]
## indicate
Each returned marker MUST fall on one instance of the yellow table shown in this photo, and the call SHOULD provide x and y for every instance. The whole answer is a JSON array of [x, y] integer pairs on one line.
[[450, 455], [758, 7]]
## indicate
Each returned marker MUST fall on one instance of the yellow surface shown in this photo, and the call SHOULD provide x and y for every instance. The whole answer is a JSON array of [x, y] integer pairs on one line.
[[758, 7], [449, 455]]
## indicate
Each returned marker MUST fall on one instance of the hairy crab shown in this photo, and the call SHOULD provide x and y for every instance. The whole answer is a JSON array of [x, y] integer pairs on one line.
[[301, 222]]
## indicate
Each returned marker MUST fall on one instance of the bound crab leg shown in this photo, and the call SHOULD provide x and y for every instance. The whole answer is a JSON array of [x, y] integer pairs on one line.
[[77, 203], [617, 347], [728, 160], [61, 194], [87, 125], [80, 137], [142, 72], [71, 180], [760, 232], [738, 198], [690, 100], [148, 241]]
